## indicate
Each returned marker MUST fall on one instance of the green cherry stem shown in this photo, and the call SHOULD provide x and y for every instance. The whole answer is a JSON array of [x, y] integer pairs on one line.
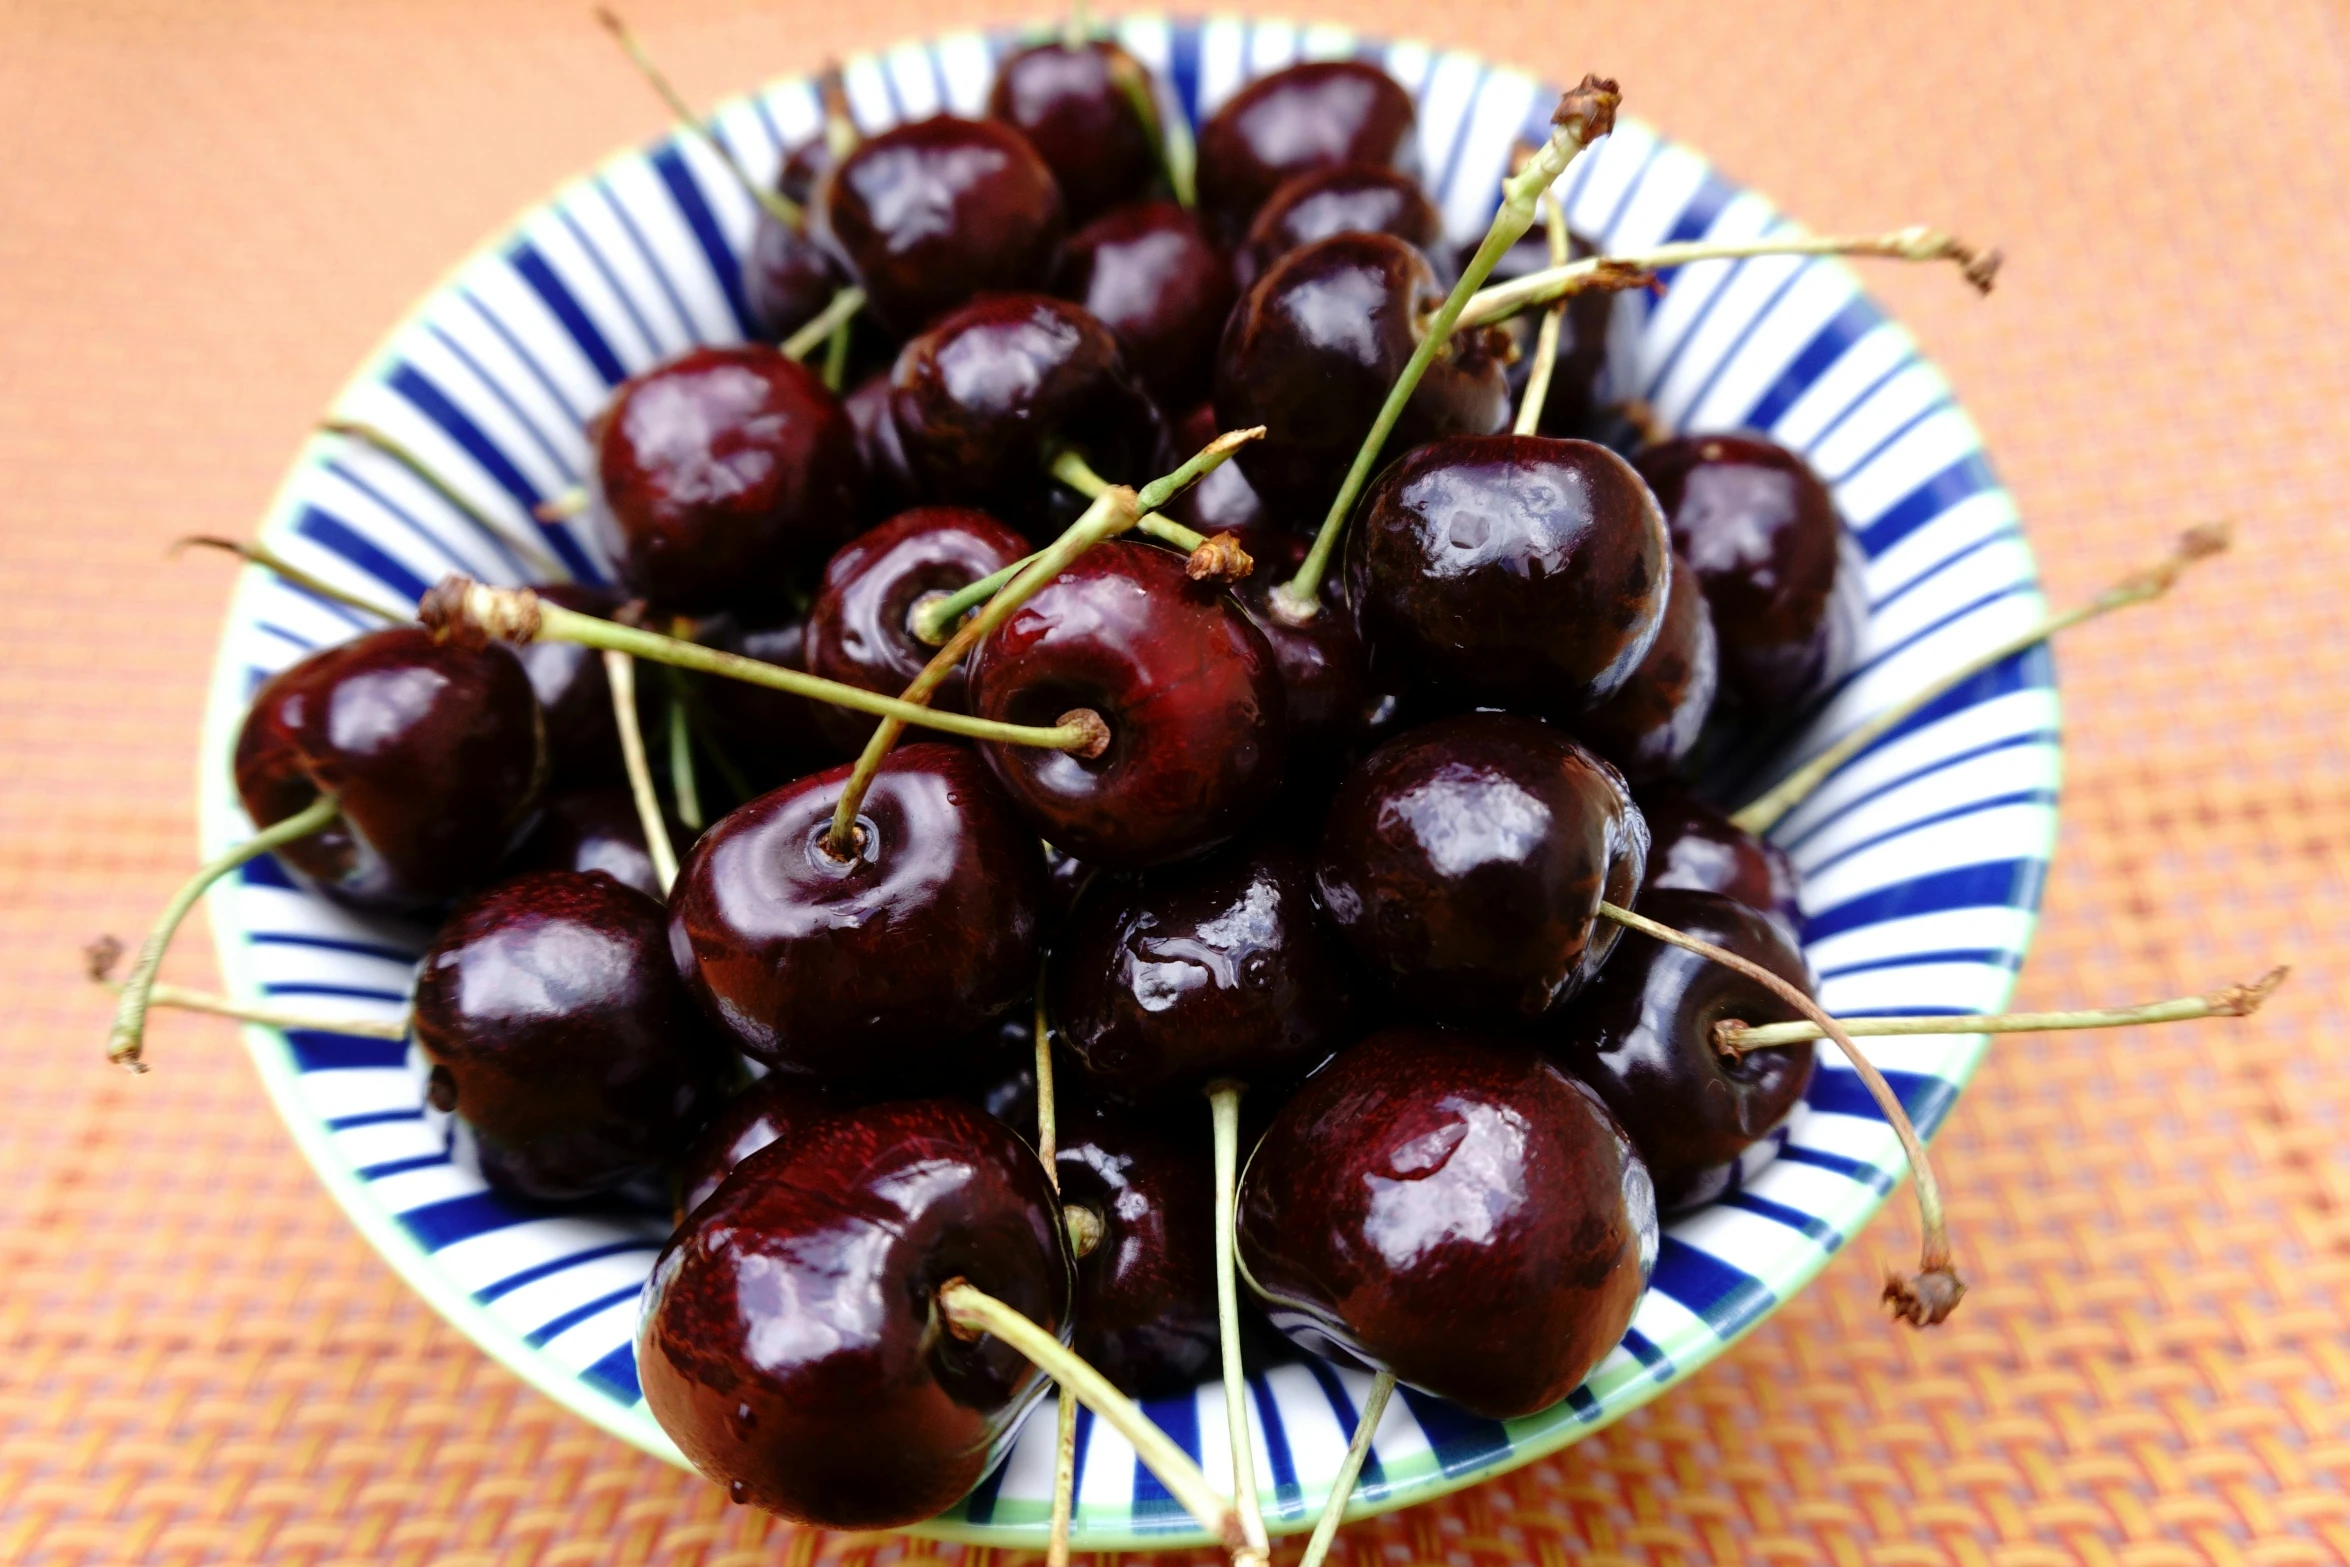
[[682, 782], [269, 560], [1048, 1131], [542, 560], [1350, 1468], [777, 205], [836, 357], [1935, 1292], [1733, 1038], [1219, 557], [1546, 340], [2140, 587], [563, 507], [127, 1038], [620, 675], [835, 316], [1224, 1114], [1178, 158], [1582, 117], [105, 952]]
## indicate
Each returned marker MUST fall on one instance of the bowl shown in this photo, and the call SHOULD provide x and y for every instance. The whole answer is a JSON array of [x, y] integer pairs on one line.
[[1923, 859]]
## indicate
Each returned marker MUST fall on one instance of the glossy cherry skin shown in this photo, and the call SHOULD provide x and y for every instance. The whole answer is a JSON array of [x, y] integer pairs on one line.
[[435, 751], [927, 215], [1344, 198], [1515, 571], [1305, 116], [1224, 501], [889, 479], [583, 743], [1571, 404], [1335, 703], [777, 1106], [560, 1032], [1149, 272], [594, 829], [1146, 1293], [1643, 1037], [985, 398], [870, 971], [1190, 692], [1069, 103], [1453, 1209], [788, 277], [726, 472], [1310, 353], [1222, 969], [1654, 718], [790, 1343], [859, 629], [1465, 861], [1695, 848], [1781, 573], [770, 737]]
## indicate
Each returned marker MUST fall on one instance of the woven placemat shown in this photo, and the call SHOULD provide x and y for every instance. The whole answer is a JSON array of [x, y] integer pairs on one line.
[[209, 211]]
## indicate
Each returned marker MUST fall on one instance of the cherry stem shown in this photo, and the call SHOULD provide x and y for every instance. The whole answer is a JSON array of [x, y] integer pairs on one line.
[[2140, 587], [1056, 1545], [1546, 340], [563, 507], [972, 1309], [836, 357], [1733, 1038], [405, 455], [620, 675], [460, 606], [127, 1039], [1170, 141], [682, 782], [105, 952], [777, 205], [1349, 1469], [835, 316], [1220, 557], [1048, 1140], [1583, 115], [1084, 1235], [1916, 243], [841, 135], [1931, 1296], [263, 556], [1224, 1112]]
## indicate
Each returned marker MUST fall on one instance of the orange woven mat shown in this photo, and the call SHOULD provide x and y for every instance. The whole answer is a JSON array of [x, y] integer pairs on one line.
[[208, 213]]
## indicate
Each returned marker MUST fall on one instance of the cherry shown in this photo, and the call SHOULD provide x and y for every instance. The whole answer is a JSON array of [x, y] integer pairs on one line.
[[1066, 878], [583, 746], [1653, 720], [889, 478], [804, 168], [1344, 198], [792, 1343], [788, 276], [594, 829], [1334, 701], [877, 968], [777, 1106], [1305, 116], [1149, 272], [1188, 688], [432, 750], [928, 214], [1512, 570], [1073, 103], [1310, 353], [858, 630], [1643, 1037], [560, 1032], [1146, 1290], [1223, 969], [1781, 573], [1223, 501], [769, 736], [1696, 848], [1465, 861], [990, 394], [1571, 406], [1455, 1210], [725, 471]]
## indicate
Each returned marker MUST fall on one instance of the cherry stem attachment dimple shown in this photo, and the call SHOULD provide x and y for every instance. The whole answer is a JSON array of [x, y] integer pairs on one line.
[[620, 675], [1546, 339], [2140, 587], [777, 205], [542, 559], [972, 1309], [1350, 1468], [1582, 117], [1734, 1038], [1936, 1290], [127, 1038], [820, 327], [1224, 1115], [105, 952], [269, 560]]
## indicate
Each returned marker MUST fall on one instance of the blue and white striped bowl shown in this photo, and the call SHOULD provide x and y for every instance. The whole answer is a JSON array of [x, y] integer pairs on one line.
[[1922, 860]]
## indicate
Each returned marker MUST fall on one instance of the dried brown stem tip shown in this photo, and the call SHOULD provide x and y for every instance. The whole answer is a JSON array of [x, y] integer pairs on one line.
[[1097, 731], [101, 957], [1927, 1300], [1591, 107], [461, 610], [1219, 559], [2244, 1000]]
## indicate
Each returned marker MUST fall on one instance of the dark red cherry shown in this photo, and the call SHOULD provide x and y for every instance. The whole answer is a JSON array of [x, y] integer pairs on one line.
[[435, 752], [873, 970], [1310, 353], [1511, 570], [987, 397], [927, 215], [1465, 860], [1455, 1210], [1224, 501], [1305, 116], [1571, 405], [858, 629], [804, 168], [1223, 969], [788, 277], [1149, 272], [592, 830], [1066, 878], [769, 737], [1146, 1292], [559, 1031], [727, 472], [583, 743], [1696, 848], [1654, 718], [1335, 704], [778, 1105], [1344, 198], [889, 479], [1006, 1086], [1781, 573], [1188, 688], [1643, 1037], [1072, 103], [791, 1343]]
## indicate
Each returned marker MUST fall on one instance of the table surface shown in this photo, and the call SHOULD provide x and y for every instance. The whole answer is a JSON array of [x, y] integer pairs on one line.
[[208, 214]]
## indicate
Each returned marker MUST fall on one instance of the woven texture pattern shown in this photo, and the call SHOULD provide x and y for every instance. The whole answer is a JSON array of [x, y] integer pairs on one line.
[[213, 210]]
